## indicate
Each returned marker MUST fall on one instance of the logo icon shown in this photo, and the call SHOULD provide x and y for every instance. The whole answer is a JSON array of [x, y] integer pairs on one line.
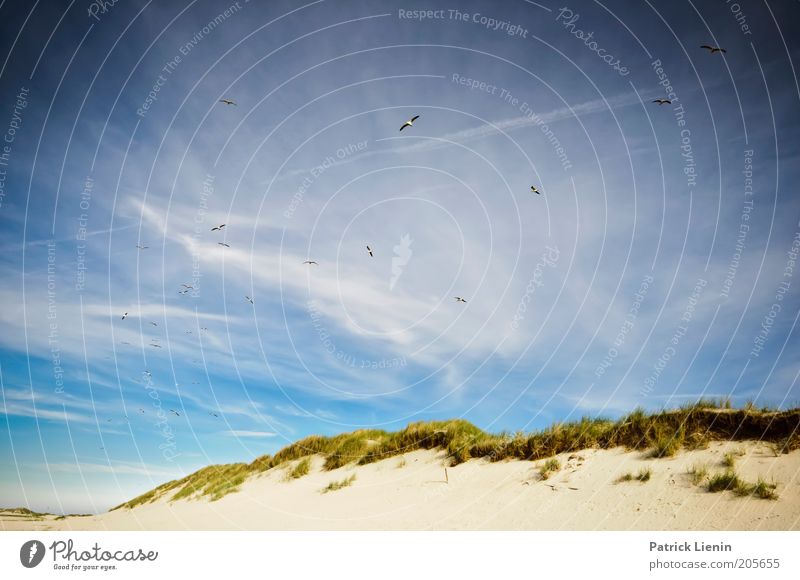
[[31, 553], [402, 254]]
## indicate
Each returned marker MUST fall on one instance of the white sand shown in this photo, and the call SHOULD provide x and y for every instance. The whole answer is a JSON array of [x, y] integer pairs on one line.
[[583, 495]]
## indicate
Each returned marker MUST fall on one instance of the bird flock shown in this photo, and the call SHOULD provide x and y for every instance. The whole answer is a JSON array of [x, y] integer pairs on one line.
[[185, 288]]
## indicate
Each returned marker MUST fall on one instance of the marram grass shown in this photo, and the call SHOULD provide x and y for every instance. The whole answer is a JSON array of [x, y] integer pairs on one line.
[[664, 433]]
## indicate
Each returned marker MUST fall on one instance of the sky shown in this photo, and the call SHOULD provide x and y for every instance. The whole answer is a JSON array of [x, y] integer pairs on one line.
[[656, 265]]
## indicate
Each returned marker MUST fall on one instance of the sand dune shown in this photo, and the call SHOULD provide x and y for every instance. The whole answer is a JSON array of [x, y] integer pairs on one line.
[[413, 492]]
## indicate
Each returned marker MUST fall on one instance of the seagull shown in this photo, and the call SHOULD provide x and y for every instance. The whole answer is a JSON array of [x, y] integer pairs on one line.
[[410, 122], [183, 291], [124, 316], [370, 252], [250, 300], [223, 244], [210, 413], [174, 411], [154, 323], [203, 328], [154, 345], [460, 299], [536, 191], [142, 247], [216, 228], [713, 49], [227, 101], [663, 101], [125, 342], [310, 262], [188, 286], [141, 410]]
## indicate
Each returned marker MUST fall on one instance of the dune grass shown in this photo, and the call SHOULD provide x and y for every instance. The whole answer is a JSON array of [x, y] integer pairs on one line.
[[550, 466], [645, 473], [698, 473], [664, 433], [299, 470], [729, 480], [336, 485]]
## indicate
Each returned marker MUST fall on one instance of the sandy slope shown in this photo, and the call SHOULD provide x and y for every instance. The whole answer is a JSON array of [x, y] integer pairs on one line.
[[583, 495]]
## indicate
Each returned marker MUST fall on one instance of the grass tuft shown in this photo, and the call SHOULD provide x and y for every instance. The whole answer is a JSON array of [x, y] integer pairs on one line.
[[336, 485], [698, 473], [550, 466], [302, 468], [645, 473]]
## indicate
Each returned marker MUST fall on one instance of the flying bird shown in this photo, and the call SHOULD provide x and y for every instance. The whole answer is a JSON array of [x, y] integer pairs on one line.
[[141, 410], [216, 228], [210, 413], [188, 286], [154, 323], [183, 291], [410, 122], [370, 252], [227, 101], [124, 316], [174, 411], [663, 101], [142, 247], [536, 191], [310, 262], [154, 345], [713, 49], [250, 300], [223, 244], [460, 299]]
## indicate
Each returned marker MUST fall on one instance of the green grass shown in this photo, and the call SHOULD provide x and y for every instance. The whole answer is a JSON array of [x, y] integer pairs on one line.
[[299, 470], [730, 481], [698, 473], [645, 473], [729, 459], [336, 485], [550, 466], [664, 433], [724, 481]]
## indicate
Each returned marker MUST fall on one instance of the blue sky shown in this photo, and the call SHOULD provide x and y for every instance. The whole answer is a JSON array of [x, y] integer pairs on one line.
[[655, 267]]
